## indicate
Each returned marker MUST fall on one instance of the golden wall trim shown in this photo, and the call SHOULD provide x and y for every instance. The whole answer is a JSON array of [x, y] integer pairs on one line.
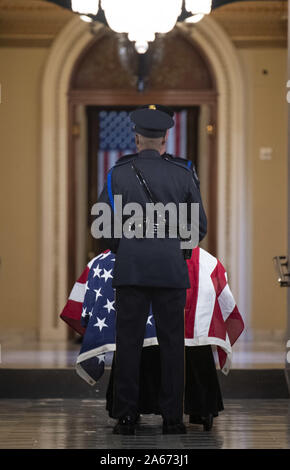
[[250, 6], [31, 23], [255, 24]]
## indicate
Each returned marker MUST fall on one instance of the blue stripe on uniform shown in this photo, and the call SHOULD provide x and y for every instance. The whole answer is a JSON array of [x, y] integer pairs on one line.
[[109, 186], [189, 164]]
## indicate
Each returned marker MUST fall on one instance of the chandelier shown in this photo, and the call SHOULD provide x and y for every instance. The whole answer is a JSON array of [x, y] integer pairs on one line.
[[141, 20]]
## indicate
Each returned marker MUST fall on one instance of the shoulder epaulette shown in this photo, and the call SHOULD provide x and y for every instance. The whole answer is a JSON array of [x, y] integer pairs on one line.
[[181, 165], [125, 159]]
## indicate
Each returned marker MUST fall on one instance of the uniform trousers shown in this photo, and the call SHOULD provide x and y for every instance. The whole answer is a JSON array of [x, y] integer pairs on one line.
[[202, 393], [132, 307]]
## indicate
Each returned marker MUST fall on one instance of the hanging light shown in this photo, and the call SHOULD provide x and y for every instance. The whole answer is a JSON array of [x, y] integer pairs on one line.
[[141, 19], [86, 18], [194, 18], [202, 7], [141, 46], [86, 7]]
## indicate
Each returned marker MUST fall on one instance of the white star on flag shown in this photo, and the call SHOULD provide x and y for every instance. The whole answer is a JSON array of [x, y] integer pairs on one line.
[[97, 271], [109, 305], [98, 293], [107, 274], [149, 320], [90, 313], [84, 312], [101, 358], [100, 323], [87, 286]]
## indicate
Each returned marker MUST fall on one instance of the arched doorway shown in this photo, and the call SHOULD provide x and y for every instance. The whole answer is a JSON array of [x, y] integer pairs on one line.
[[178, 75], [233, 228]]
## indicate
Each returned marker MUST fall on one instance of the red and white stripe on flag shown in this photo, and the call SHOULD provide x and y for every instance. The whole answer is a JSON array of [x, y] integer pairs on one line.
[[211, 313], [72, 311], [106, 160], [177, 136]]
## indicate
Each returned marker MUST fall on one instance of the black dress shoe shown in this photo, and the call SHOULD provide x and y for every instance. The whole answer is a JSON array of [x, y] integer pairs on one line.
[[207, 421], [195, 419], [177, 428], [125, 425]]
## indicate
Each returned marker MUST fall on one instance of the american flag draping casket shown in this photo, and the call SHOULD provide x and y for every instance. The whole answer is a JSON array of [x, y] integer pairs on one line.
[[211, 313]]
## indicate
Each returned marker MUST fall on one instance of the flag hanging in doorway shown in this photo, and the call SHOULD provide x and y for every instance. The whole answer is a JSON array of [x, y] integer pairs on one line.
[[177, 136], [117, 138]]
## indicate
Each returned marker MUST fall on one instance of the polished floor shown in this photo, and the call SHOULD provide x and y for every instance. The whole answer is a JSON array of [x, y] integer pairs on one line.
[[32, 354], [84, 424]]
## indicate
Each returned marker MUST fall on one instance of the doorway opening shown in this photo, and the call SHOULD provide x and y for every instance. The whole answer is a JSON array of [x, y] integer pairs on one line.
[[104, 135]]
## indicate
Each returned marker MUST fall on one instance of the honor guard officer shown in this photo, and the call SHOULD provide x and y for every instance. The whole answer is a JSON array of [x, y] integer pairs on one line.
[[150, 271], [182, 161]]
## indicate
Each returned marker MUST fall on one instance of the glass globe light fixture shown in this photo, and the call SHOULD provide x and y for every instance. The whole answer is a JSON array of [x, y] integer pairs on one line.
[[141, 46], [141, 19], [86, 7], [194, 18], [198, 6], [86, 18]]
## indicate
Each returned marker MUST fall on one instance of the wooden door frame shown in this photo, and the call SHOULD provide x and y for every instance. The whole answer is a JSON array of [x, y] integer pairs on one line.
[[184, 98]]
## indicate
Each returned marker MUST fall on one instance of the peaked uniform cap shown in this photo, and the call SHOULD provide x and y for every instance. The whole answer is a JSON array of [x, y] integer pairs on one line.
[[151, 122]]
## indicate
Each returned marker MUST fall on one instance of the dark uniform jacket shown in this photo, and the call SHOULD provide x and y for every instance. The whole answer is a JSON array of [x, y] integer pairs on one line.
[[153, 262]]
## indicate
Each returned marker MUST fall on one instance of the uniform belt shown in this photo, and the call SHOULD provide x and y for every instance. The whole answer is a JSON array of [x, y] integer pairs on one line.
[[155, 228], [149, 227]]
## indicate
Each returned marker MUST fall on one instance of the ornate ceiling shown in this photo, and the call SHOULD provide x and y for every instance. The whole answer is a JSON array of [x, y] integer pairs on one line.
[[249, 23]]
